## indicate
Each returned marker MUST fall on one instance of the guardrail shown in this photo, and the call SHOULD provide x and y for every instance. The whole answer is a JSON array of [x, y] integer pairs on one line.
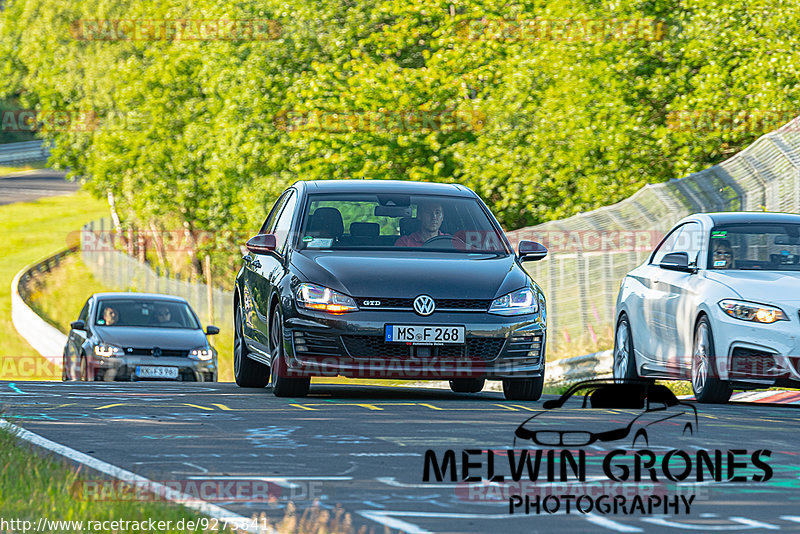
[[570, 370], [46, 339], [24, 152], [591, 252]]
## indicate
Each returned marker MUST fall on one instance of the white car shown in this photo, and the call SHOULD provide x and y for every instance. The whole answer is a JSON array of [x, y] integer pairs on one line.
[[716, 303]]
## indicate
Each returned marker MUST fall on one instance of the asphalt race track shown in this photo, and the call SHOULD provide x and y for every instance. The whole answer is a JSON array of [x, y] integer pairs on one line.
[[363, 448], [30, 185]]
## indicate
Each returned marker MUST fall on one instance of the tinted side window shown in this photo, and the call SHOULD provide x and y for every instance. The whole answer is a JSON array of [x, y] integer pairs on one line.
[[84, 315], [273, 215], [689, 241], [284, 223], [666, 246]]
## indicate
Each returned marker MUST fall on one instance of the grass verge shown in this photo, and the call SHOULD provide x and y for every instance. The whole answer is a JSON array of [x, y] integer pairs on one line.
[[36, 486], [8, 169]]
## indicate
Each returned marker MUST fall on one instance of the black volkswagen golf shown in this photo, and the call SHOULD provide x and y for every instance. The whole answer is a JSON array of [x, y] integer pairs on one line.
[[387, 279]]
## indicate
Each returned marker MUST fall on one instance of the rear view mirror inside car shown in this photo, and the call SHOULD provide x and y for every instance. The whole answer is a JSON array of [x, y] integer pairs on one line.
[[393, 211]]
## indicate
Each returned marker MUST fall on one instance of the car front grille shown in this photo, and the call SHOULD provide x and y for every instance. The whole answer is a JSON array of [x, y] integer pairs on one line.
[[468, 305], [166, 353], [365, 347]]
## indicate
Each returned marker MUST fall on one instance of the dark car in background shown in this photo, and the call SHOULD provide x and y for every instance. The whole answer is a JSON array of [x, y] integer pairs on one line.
[[387, 279], [139, 336]]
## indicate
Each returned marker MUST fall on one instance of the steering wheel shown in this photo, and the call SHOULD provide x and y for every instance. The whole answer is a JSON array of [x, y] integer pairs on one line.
[[451, 240]]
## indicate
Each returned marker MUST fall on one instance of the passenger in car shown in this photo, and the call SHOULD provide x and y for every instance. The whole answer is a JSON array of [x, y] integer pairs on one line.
[[722, 254], [110, 316], [431, 217]]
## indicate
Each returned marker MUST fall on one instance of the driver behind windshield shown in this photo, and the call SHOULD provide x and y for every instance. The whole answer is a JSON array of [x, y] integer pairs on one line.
[[430, 215]]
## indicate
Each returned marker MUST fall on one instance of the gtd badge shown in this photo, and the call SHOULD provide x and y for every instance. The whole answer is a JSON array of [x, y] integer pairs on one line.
[[424, 305]]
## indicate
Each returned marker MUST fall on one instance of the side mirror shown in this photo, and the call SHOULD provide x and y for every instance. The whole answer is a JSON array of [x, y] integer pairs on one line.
[[676, 261], [78, 325], [531, 251], [261, 244], [212, 330]]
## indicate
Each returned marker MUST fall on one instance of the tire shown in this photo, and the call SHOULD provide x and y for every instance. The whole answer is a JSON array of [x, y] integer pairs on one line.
[[707, 388], [467, 385], [64, 376], [523, 389], [282, 385], [247, 372], [624, 356], [86, 374]]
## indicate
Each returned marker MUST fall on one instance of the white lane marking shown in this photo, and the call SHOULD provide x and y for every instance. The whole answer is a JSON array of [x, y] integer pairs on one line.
[[744, 524], [610, 524], [199, 467], [124, 475], [386, 519]]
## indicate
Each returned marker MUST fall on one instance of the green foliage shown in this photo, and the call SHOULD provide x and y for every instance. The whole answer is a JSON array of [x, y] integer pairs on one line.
[[542, 124]]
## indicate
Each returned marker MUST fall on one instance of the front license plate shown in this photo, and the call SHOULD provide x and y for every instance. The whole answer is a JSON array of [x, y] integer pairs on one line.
[[150, 371], [425, 335]]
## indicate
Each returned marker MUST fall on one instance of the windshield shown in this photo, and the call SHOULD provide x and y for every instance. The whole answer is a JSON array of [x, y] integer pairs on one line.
[[769, 247], [145, 313], [399, 222]]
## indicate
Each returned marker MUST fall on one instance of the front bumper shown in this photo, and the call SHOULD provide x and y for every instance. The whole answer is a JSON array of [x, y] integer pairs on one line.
[[757, 353], [352, 345], [124, 368]]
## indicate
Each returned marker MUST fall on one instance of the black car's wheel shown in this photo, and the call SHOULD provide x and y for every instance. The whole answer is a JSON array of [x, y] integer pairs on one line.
[[624, 359], [64, 366], [247, 373], [282, 385], [706, 385], [523, 389], [87, 375], [467, 385]]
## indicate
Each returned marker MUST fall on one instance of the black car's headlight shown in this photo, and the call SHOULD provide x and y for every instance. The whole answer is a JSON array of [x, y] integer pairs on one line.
[[520, 302], [201, 353], [752, 311], [108, 351], [314, 297]]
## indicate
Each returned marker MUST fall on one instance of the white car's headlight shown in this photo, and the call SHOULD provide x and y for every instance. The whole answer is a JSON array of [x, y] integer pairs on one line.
[[752, 311], [202, 353], [314, 297], [520, 302], [108, 351]]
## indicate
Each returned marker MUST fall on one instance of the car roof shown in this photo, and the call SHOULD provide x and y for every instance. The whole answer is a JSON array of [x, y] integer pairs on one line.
[[386, 186], [743, 217], [138, 296]]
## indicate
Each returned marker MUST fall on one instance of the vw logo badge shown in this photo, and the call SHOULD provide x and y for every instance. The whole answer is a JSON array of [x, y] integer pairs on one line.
[[424, 305], [157, 352]]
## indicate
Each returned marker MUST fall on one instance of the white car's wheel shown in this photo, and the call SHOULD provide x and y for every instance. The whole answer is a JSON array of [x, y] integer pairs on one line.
[[706, 385], [624, 360]]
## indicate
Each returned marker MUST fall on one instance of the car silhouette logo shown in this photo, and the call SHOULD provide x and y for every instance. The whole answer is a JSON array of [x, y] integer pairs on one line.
[[640, 407], [156, 352], [424, 305]]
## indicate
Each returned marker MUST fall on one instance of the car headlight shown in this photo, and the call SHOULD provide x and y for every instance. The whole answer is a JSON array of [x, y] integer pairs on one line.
[[108, 351], [203, 354], [752, 311], [520, 302], [314, 297]]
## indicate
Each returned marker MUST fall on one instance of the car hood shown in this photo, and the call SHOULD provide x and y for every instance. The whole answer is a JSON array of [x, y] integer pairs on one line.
[[165, 338], [399, 274], [761, 286]]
